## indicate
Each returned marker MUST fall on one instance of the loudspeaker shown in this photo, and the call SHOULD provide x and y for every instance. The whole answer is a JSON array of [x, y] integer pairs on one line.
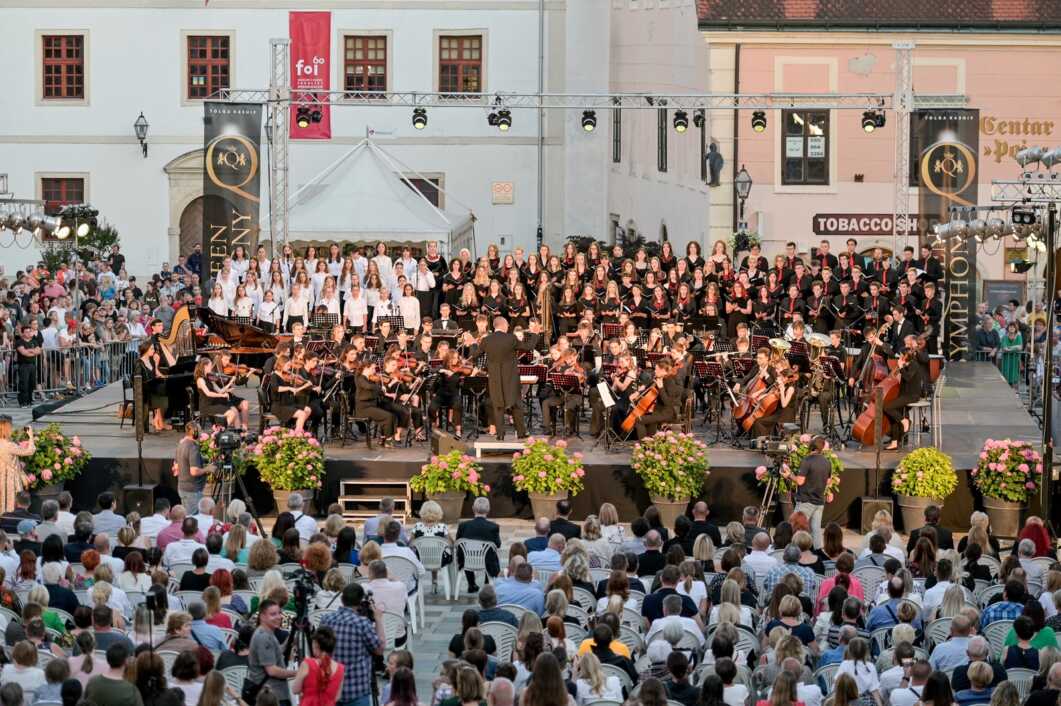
[[443, 442], [870, 507], [139, 423], [139, 498]]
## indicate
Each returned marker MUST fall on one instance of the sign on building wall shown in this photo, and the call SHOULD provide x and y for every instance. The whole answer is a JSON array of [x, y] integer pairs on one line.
[[310, 34], [231, 180], [855, 224], [946, 143], [502, 193]]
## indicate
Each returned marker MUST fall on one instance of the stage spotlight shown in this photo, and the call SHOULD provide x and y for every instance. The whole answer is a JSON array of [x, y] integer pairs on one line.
[[419, 118], [1051, 158], [302, 118], [315, 115], [14, 221], [1019, 267], [996, 228], [1030, 155], [63, 231], [681, 121], [589, 120], [1023, 215], [83, 229], [491, 119], [49, 225], [504, 120], [881, 118], [759, 120], [978, 229], [699, 118], [869, 121], [33, 223]]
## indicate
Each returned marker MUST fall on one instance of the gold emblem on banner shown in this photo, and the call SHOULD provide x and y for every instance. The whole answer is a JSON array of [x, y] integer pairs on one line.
[[231, 163], [948, 169]]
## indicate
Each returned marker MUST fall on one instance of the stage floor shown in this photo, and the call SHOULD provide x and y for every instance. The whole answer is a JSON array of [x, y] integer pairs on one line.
[[977, 404]]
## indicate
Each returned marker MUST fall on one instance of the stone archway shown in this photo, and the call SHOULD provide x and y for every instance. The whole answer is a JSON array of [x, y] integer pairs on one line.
[[185, 187], [191, 227]]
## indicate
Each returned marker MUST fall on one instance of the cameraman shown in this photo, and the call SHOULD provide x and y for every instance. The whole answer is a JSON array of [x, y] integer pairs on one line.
[[189, 468], [812, 477], [356, 644]]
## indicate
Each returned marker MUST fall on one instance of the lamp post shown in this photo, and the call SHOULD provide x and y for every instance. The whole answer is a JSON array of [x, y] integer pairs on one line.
[[140, 126], [743, 183]]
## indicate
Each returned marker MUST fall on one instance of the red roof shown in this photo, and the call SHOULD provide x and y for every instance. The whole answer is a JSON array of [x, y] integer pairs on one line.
[[955, 15]]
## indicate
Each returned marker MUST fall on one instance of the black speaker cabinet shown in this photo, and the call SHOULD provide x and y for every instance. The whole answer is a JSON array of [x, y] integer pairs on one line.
[[139, 498], [870, 507], [443, 442]]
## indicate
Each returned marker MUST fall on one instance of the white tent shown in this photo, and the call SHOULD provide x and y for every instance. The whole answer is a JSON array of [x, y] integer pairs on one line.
[[366, 196]]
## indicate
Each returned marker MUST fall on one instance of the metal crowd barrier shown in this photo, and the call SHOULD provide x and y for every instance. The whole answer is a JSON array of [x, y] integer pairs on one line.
[[81, 368]]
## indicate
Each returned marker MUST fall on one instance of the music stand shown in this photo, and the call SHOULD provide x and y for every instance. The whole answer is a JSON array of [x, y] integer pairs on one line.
[[475, 386], [539, 372], [760, 342], [397, 322], [611, 330], [567, 385], [324, 321]]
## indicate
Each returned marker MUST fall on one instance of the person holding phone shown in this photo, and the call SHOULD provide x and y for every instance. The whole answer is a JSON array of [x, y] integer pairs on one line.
[[12, 478]]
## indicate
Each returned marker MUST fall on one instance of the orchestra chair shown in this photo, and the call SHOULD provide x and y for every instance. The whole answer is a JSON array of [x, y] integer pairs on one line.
[[684, 423], [128, 403], [919, 412], [265, 406], [370, 429]]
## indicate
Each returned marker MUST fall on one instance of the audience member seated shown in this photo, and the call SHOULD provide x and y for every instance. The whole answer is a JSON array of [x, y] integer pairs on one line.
[[979, 691], [549, 559], [652, 560], [562, 525], [1021, 652], [482, 530], [1011, 605], [106, 521], [520, 588], [652, 606]]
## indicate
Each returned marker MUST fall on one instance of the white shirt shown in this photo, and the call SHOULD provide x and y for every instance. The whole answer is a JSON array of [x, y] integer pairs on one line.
[[613, 691], [602, 604], [130, 582], [9, 561], [355, 310], [865, 675], [117, 565], [410, 311], [698, 592], [180, 552], [934, 597], [890, 679], [889, 550], [809, 694], [905, 696], [759, 562], [330, 303], [735, 694], [268, 312], [306, 526], [218, 306], [149, 526], [688, 624], [205, 522], [217, 561], [1047, 600], [745, 615]]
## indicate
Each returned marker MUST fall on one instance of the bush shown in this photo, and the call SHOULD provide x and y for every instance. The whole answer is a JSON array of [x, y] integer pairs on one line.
[[289, 460], [785, 475], [672, 466], [452, 472], [1008, 470], [925, 473], [541, 468], [57, 458]]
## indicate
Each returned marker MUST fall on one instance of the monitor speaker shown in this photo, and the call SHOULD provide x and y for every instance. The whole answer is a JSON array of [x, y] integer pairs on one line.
[[139, 498], [870, 507], [443, 442]]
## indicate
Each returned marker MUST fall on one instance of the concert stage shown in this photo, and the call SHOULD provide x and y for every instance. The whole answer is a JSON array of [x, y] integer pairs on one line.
[[977, 404]]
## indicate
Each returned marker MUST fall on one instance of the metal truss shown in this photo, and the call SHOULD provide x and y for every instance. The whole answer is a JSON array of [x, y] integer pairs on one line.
[[1032, 187], [903, 104], [277, 135]]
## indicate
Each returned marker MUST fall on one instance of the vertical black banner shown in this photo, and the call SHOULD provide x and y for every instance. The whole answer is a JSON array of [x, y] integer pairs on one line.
[[231, 179], [946, 145]]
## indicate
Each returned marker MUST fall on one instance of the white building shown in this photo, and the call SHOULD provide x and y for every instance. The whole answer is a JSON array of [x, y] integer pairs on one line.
[[77, 73]]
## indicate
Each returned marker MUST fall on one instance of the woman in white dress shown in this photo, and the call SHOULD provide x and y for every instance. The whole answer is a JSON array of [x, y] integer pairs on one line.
[[317, 278], [218, 304], [382, 259], [242, 305], [268, 312], [409, 308], [611, 530], [329, 297]]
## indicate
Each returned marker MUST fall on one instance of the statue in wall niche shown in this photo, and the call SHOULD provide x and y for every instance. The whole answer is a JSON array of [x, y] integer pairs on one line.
[[715, 162]]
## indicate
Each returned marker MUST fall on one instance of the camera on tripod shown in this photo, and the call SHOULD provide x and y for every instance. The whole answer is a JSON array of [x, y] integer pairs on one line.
[[776, 447], [304, 586], [229, 441]]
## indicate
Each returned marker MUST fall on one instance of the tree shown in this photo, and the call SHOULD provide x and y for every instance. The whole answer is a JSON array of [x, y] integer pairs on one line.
[[97, 244]]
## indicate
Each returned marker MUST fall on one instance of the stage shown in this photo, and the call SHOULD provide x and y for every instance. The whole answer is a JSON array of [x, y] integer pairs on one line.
[[977, 404]]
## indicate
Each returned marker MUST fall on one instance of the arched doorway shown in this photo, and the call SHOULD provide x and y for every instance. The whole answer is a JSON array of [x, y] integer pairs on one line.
[[191, 227]]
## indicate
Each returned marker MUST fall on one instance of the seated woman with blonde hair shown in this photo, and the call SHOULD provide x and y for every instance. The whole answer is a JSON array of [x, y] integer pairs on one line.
[[611, 530]]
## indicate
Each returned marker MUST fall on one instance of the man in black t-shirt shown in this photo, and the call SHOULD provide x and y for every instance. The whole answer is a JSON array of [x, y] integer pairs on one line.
[[28, 350], [811, 479]]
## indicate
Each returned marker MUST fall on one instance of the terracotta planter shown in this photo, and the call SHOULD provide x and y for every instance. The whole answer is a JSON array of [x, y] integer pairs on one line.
[[451, 504], [669, 510], [281, 496], [1005, 516], [913, 509], [544, 504]]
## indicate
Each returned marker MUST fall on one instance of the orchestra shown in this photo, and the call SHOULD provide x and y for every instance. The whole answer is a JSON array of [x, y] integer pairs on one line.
[[630, 340]]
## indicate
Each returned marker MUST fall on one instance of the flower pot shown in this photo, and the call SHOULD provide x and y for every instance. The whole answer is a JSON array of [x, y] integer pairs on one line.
[[544, 504], [1005, 516], [45, 492], [914, 510], [788, 506], [669, 510], [281, 496], [451, 504]]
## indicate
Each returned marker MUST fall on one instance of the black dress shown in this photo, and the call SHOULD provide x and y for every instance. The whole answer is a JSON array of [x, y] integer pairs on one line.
[[213, 406]]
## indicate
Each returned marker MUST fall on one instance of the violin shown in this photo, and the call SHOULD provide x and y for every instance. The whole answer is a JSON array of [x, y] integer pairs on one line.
[[238, 370]]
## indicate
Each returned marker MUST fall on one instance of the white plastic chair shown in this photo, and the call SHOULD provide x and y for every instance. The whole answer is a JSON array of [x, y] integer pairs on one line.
[[632, 639], [315, 616], [407, 572], [1022, 679], [504, 637], [234, 677], [938, 631], [624, 678], [995, 633], [168, 658], [825, 676], [394, 626], [585, 599], [516, 610], [177, 570], [473, 554], [870, 577], [431, 551], [230, 635]]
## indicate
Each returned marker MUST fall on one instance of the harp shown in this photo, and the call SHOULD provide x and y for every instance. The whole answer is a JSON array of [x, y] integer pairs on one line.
[[180, 339]]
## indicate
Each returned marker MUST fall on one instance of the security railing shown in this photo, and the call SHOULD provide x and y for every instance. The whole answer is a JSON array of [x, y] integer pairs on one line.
[[75, 369]]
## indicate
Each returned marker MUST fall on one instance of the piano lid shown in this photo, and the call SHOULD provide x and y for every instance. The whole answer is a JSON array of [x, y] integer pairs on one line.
[[239, 335]]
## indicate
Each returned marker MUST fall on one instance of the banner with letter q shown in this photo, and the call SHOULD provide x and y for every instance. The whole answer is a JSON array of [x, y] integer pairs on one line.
[[310, 34]]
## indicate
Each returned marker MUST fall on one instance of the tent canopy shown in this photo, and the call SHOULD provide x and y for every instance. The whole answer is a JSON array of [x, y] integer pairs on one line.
[[365, 196]]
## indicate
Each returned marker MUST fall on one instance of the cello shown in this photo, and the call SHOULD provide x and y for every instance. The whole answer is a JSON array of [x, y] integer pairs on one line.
[[768, 403], [864, 429], [646, 402]]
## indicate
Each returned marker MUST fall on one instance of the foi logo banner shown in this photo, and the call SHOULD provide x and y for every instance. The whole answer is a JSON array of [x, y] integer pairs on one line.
[[310, 73]]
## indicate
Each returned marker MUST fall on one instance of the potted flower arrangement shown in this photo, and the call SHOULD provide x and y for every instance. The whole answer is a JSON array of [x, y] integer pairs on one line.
[[924, 477], [673, 468], [289, 461], [1008, 474], [742, 241], [547, 474], [57, 458], [447, 479], [785, 473]]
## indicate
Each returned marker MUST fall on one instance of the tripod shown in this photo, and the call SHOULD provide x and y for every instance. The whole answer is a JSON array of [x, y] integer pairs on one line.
[[223, 478]]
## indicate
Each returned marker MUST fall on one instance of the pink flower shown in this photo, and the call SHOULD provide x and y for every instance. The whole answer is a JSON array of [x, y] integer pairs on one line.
[[804, 439], [68, 461], [547, 458], [486, 488], [516, 456], [1038, 468], [314, 442], [760, 472], [75, 441], [541, 474], [983, 455], [473, 477], [31, 478], [46, 474], [577, 454], [580, 472], [561, 444], [828, 497], [1023, 468], [434, 459], [456, 474], [1030, 485], [313, 478], [518, 479]]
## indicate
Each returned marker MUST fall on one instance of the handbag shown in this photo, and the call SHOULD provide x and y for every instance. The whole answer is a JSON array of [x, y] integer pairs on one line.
[[249, 693]]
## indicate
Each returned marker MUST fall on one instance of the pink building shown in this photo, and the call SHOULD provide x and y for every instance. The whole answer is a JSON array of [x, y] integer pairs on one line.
[[817, 175]]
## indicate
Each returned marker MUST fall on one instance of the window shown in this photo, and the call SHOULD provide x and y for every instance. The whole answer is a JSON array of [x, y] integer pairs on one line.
[[428, 187], [805, 150], [209, 65], [617, 135], [364, 63], [57, 192], [460, 64], [661, 140], [63, 66]]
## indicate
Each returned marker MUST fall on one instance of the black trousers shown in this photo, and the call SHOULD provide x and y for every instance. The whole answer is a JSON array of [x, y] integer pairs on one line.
[[570, 406], [440, 404], [649, 424], [400, 412], [27, 379], [516, 410], [383, 418]]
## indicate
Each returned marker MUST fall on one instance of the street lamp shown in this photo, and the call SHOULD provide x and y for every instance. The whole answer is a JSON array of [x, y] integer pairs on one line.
[[743, 183], [140, 126]]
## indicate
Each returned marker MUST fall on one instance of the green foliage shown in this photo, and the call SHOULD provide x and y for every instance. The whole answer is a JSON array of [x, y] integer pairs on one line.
[[57, 457], [741, 242], [672, 466], [786, 475], [449, 473], [97, 244], [289, 460], [925, 473], [541, 468], [1008, 470], [53, 257]]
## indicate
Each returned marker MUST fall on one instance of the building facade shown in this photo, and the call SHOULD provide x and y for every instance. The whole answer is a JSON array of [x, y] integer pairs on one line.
[[79, 72], [818, 175]]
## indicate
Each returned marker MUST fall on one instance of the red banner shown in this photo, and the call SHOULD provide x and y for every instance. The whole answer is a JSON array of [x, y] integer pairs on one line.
[[310, 72]]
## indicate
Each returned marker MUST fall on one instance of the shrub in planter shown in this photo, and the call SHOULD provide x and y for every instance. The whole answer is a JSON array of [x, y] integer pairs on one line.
[[289, 460], [57, 457]]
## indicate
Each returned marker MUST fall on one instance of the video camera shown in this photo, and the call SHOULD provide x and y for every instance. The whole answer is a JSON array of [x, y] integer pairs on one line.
[[772, 446]]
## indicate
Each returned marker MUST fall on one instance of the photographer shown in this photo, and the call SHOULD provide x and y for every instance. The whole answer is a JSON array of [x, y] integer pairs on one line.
[[189, 469], [356, 644]]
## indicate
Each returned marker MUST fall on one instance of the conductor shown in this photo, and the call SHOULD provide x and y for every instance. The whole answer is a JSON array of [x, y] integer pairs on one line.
[[500, 348]]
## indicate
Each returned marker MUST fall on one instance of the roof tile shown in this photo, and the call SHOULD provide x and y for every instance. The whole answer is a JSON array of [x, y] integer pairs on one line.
[[954, 14]]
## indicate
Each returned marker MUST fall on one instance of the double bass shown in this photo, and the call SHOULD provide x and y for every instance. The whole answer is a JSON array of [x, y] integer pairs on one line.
[[864, 430]]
